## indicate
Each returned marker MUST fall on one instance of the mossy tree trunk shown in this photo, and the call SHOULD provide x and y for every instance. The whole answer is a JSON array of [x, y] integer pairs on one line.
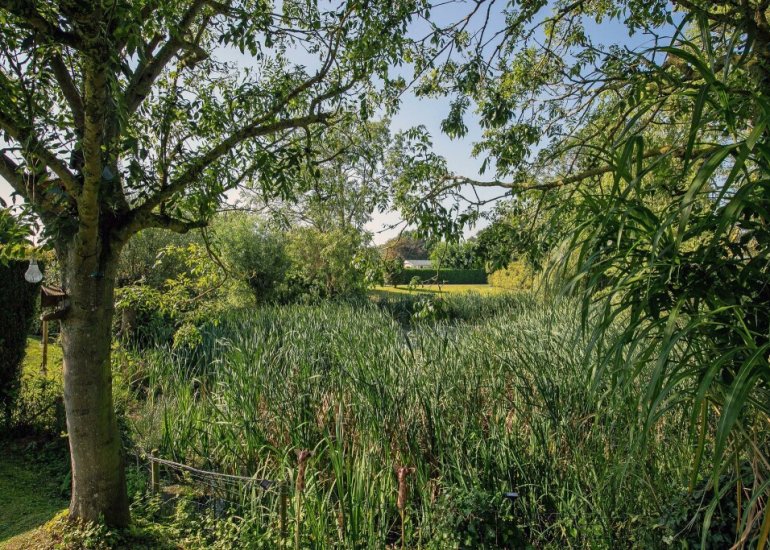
[[98, 475]]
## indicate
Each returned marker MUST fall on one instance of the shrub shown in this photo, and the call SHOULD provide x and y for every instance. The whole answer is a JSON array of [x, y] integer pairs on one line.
[[392, 269], [15, 321], [324, 264], [517, 275], [255, 254], [443, 276]]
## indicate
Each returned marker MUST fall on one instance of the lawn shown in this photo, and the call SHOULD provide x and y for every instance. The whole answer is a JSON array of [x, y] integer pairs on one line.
[[396, 291], [31, 492], [33, 480]]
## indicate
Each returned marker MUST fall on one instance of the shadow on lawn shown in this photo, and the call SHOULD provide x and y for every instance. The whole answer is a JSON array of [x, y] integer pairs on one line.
[[34, 486]]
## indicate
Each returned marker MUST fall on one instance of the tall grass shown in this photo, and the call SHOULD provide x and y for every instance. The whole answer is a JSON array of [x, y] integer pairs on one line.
[[478, 408]]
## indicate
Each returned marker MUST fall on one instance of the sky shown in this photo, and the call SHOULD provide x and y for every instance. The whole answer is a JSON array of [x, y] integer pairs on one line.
[[430, 113]]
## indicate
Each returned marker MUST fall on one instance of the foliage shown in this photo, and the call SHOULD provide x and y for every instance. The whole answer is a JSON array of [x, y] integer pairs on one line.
[[687, 275], [392, 268], [517, 275], [18, 308], [457, 255], [126, 116], [143, 261], [326, 264], [472, 517], [527, 227], [14, 235], [658, 152], [442, 276], [407, 246], [39, 409], [151, 316], [252, 252], [343, 191]]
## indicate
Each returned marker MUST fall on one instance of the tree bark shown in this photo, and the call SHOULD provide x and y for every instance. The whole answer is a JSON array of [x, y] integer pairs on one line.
[[98, 475]]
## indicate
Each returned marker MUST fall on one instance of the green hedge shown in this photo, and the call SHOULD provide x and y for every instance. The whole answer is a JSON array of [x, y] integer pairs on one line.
[[16, 314], [444, 276]]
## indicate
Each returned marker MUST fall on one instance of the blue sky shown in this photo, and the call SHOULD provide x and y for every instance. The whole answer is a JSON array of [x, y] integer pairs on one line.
[[430, 112]]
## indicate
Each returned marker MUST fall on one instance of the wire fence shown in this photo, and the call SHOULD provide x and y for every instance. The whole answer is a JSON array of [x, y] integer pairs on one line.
[[265, 500], [224, 494]]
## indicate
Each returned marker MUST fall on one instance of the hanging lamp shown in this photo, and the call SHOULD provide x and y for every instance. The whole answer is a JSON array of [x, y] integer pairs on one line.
[[33, 274]]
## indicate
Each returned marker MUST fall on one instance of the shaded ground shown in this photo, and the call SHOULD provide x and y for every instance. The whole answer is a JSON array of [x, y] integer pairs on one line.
[[33, 489], [34, 481]]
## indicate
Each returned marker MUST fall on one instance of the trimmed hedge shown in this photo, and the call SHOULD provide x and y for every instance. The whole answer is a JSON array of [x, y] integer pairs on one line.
[[444, 276], [16, 313]]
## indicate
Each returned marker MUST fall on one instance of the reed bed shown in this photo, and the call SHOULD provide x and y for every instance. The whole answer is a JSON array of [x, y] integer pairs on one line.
[[416, 432]]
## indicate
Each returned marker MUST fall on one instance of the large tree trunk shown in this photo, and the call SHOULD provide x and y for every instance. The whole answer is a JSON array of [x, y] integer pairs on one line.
[[98, 476]]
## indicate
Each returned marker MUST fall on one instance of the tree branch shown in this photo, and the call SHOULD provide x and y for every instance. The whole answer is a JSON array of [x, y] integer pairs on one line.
[[135, 218], [32, 145], [46, 207], [27, 12], [454, 181], [146, 74], [9, 170], [163, 221], [69, 89]]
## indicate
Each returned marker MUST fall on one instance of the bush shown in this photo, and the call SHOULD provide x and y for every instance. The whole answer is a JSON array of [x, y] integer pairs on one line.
[[15, 321], [39, 407], [518, 275], [325, 264], [255, 254], [443, 276]]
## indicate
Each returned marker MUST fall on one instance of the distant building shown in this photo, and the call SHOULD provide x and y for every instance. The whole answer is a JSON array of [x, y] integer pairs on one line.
[[418, 264]]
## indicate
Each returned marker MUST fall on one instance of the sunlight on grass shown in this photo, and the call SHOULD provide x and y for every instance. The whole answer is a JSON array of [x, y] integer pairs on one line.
[[385, 291]]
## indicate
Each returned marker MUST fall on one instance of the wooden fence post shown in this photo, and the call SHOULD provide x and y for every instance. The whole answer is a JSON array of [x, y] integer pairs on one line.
[[154, 475], [44, 365], [283, 503]]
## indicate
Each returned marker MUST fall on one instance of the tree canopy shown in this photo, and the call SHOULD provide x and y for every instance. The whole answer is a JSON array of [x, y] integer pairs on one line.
[[125, 115]]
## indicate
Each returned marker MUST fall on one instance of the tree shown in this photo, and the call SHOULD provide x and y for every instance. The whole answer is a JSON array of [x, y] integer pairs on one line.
[[253, 253], [142, 259], [457, 255], [121, 116], [407, 246], [342, 192], [524, 227]]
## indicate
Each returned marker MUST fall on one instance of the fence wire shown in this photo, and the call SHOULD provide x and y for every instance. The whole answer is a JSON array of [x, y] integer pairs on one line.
[[223, 494]]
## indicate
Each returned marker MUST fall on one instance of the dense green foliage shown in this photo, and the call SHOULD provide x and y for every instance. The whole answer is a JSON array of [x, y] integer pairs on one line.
[[16, 314], [500, 402], [252, 253], [515, 276], [407, 246], [652, 155], [457, 255], [441, 276]]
